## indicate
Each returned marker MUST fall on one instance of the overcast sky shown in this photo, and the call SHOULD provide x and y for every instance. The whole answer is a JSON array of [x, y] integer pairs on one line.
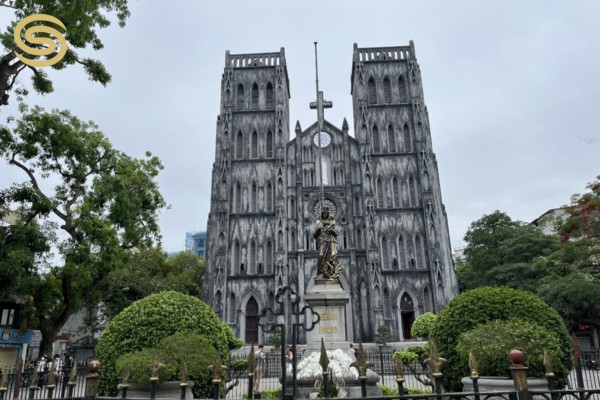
[[512, 90]]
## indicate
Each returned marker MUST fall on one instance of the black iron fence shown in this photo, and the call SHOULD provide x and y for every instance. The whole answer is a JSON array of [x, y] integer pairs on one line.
[[583, 384], [30, 384]]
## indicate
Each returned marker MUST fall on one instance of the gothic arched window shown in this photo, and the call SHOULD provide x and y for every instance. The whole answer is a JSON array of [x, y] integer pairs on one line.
[[419, 252], [236, 258], [253, 198], [269, 257], [269, 144], [402, 90], [376, 140], [237, 199], [402, 252], [252, 261], [412, 192], [391, 139], [372, 91], [380, 194], [427, 303], [269, 197], [406, 138], [254, 97], [269, 97], [384, 253], [387, 90], [395, 192], [239, 101], [239, 146], [254, 145], [231, 314]]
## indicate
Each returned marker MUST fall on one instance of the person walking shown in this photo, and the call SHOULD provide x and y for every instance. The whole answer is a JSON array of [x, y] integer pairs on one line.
[[260, 367]]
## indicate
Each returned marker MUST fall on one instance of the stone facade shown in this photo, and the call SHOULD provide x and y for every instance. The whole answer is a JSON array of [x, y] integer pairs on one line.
[[381, 183]]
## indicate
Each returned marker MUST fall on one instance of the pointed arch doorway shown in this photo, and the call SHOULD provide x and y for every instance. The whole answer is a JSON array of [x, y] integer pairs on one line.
[[251, 333], [407, 315]]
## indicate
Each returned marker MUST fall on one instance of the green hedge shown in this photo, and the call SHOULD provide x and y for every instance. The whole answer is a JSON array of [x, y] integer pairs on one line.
[[147, 321], [480, 306], [491, 342]]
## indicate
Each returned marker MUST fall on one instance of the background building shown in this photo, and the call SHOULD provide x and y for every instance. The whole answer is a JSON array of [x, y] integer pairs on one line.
[[196, 243], [381, 183]]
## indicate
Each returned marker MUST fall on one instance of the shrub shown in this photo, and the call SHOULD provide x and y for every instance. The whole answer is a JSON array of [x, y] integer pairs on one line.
[[423, 325], [482, 305], [413, 358], [491, 342], [146, 322], [138, 361], [384, 335]]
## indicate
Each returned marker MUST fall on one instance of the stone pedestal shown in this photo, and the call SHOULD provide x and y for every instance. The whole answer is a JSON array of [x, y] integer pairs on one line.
[[329, 300]]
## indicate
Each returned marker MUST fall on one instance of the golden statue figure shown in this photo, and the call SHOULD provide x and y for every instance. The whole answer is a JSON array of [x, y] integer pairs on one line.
[[328, 267]]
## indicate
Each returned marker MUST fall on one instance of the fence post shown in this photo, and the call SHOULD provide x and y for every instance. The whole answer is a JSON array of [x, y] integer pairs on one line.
[[362, 364], [251, 366], [217, 370], [183, 380], [51, 380], [91, 379], [519, 373], [435, 363], [399, 376], [72, 379], [33, 386], [3, 383], [474, 374]]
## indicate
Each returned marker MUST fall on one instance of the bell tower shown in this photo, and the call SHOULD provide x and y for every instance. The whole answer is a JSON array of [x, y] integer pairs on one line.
[[246, 248]]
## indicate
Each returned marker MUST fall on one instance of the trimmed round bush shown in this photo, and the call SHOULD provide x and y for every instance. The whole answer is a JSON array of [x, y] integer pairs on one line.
[[491, 342], [483, 305], [146, 322], [423, 325]]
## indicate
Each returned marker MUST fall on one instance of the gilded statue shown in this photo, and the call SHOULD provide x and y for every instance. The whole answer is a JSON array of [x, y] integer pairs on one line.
[[328, 267]]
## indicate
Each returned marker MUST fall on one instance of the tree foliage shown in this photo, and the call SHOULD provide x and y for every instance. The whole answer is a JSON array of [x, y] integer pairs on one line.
[[150, 271], [103, 205], [423, 325], [82, 21], [501, 251], [479, 306], [146, 322]]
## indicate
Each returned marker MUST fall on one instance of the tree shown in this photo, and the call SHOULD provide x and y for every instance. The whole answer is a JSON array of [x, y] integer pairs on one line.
[[384, 335], [81, 20], [576, 297], [104, 205], [584, 214], [501, 251], [151, 271]]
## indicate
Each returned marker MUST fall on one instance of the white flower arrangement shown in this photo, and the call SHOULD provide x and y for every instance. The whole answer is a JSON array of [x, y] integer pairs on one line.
[[339, 366]]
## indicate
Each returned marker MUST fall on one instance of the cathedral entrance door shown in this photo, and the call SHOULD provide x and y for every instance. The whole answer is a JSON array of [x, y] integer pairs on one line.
[[407, 315], [251, 321]]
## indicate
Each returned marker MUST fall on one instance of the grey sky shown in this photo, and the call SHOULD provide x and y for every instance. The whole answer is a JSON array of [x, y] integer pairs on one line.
[[511, 87]]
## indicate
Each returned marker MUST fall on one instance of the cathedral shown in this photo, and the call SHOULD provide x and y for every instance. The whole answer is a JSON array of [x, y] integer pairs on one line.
[[380, 182]]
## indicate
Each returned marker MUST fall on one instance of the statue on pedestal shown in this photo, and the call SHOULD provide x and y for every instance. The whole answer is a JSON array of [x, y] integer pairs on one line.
[[328, 267]]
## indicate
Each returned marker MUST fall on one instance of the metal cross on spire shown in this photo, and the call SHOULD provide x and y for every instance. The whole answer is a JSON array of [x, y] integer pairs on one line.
[[320, 105]]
